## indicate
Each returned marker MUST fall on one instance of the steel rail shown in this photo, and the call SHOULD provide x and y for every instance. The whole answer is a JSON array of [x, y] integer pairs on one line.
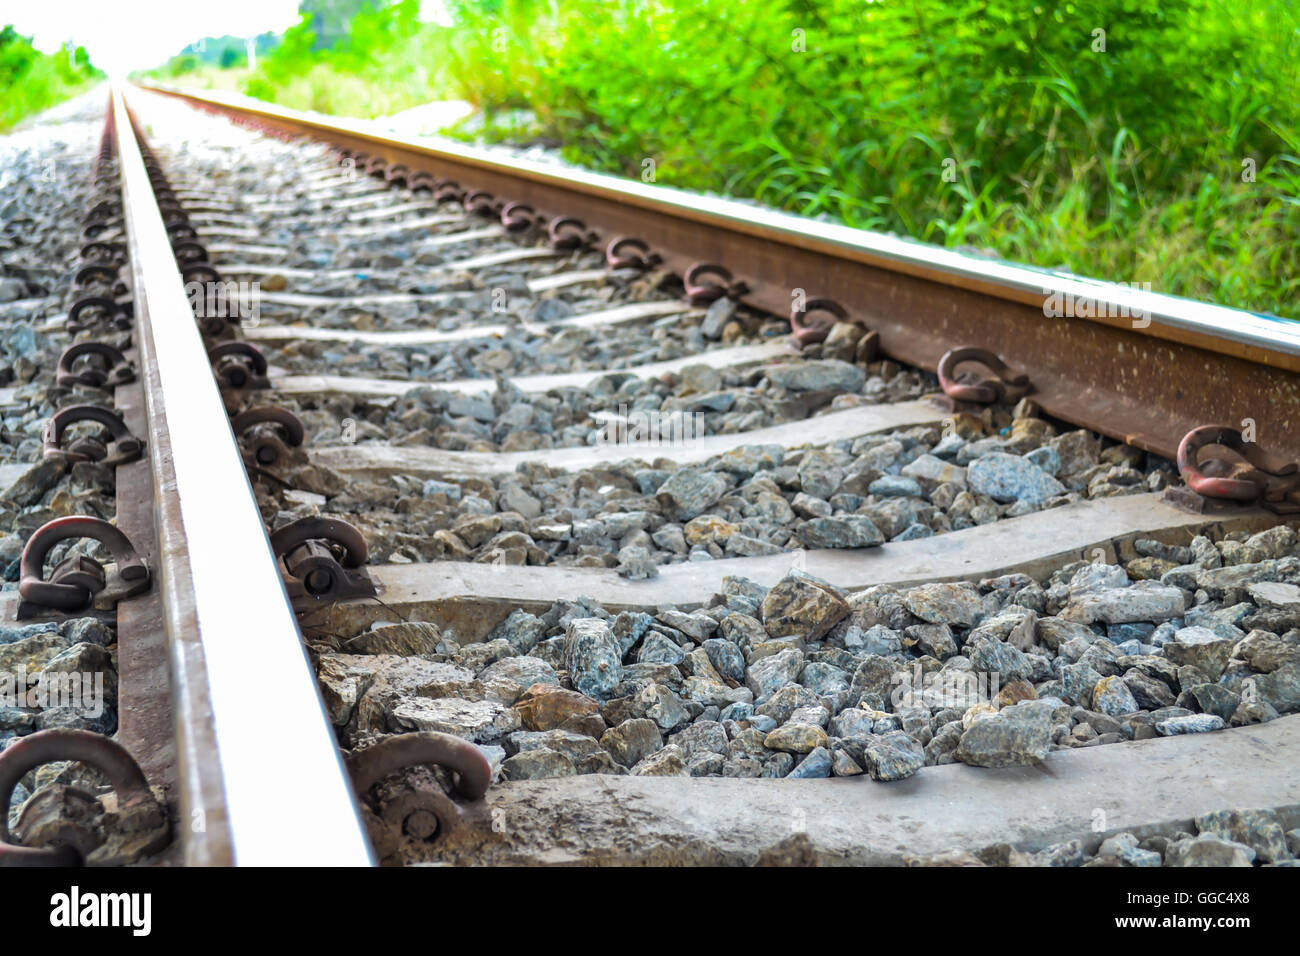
[[251, 793], [1143, 367]]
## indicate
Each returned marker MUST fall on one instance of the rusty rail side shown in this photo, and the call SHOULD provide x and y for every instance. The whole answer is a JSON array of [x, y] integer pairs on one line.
[[1146, 379], [250, 794]]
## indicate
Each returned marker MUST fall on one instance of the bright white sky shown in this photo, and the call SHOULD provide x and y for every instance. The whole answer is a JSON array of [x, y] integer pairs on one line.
[[123, 35]]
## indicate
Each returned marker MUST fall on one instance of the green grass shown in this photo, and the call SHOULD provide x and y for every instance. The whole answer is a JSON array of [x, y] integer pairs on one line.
[[31, 81], [992, 124]]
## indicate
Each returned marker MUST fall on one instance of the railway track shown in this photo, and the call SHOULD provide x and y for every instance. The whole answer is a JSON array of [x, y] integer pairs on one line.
[[622, 526]]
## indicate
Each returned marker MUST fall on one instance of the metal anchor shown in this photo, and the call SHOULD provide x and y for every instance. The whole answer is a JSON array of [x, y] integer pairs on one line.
[[78, 580], [970, 387], [640, 257], [702, 293], [137, 809], [809, 333], [119, 370], [482, 203], [102, 309], [1258, 478], [182, 230], [112, 251], [566, 232], [189, 251], [424, 813], [100, 273], [266, 433], [517, 216], [319, 557], [448, 191], [129, 448], [238, 365]]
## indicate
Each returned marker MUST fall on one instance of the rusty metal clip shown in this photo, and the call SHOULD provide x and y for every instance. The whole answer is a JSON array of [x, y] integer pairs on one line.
[[200, 272], [118, 372], [275, 430], [482, 203], [422, 182], [319, 557], [96, 229], [188, 251], [1259, 477], [399, 174], [74, 584], [617, 256], [238, 365], [565, 232], [448, 191], [100, 273], [104, 209], [113, 251], [420, 814], [702, 293], [128, 447], [809, 333], [970, 387], [517, 216], [181, 230], [135, 801], [101, 309]]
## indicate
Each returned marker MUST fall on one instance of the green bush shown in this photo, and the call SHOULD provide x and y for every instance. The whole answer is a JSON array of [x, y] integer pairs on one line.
[[1140, 142], [31, 81]]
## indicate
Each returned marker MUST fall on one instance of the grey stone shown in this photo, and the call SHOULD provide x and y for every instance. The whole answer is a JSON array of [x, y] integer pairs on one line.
[[1143, 601], [32, 485], [689, 492], [703, 736], [816, 765], [1194, 724], [1111, 696], [953, 604], [802, 605], [1005, 478], [891, 756], [841, 531], [657, 649], [668, 762], [478, 721], [593, 657], [796, 738], [1200, 647], [1208, 850], [851, 722], [632, 740], [536, 765], [1015, 735], [726, 658], [524, 671], [825, 373], [521, 630], [824, 680], [1280, 689], [1261, 830]]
